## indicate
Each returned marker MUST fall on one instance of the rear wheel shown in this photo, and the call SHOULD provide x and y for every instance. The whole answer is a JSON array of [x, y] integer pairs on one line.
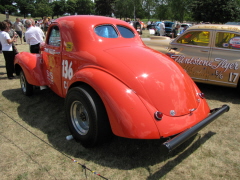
[[87, 117], [27, 88]]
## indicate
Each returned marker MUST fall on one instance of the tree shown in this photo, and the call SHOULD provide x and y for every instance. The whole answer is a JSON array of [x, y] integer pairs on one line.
[[162, 11], [42, 9], [150, 7], [104, 7], [59, 8], [84, 7], [7, 5], [215, 11], [25, 6], [71, 6], [129, 9], [123, 9], [179, 9]]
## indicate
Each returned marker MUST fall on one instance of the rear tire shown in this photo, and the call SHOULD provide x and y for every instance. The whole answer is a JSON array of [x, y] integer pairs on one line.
[[27, 88], [86, 116]]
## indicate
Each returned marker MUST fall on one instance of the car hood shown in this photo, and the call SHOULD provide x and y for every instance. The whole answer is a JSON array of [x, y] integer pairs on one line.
[[156, 79]]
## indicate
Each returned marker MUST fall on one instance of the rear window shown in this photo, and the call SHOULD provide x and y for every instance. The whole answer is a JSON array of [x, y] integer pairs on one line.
[[125, 32], [106, 31], [227, 40]]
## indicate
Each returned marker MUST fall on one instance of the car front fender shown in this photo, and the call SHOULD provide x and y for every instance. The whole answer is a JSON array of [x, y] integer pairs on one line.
[[127, 114], [31, 65]]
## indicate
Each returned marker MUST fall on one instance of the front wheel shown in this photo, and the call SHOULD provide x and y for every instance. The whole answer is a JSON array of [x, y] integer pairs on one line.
[[27, 88], [86, 115]]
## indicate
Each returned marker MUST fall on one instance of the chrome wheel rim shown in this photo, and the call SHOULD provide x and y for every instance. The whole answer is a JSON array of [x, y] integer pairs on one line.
[[79, 117], [23, 82]]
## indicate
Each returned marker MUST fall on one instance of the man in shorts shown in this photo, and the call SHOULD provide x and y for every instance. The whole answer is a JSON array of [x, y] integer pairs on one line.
[[18, 26]]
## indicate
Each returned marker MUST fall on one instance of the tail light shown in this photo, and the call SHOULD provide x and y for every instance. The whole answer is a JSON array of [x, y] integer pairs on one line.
[[158, 115], [202, 95]]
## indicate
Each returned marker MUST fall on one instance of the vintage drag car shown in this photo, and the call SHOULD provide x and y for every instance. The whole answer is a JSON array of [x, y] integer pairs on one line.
[[209, 53], [114, 84]]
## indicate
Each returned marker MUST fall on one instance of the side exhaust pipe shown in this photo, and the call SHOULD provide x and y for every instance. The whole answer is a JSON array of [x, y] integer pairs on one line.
[[182, 137]]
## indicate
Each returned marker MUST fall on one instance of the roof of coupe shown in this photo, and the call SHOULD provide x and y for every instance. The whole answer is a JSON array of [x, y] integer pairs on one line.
[[99, 32]]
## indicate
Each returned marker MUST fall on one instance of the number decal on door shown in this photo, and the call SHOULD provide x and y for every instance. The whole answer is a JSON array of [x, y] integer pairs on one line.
[[233, 77], [67, 71]]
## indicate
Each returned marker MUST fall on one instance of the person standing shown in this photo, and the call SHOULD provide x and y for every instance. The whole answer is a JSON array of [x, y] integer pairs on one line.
[[18, 26], [162, 28], [184, 29], [45, 24], [12, 33], [175, 31], [34, 36], [7, 48]]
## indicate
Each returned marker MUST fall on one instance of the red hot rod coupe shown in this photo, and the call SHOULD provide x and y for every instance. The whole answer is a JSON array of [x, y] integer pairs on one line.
[[114, 84]]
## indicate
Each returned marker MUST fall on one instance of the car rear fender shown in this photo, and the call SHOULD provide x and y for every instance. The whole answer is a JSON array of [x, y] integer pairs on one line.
[[31, 65], [127, 114]]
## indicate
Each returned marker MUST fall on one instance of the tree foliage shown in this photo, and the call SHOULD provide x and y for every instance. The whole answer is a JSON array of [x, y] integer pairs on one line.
[[59, 8], [215, 11], [219, 11], [84, 7], [42, 10], [7, 5], [104, 7]]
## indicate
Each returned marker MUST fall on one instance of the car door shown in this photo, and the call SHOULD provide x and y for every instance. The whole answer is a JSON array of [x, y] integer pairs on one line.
[[225, 59], [191, 50], [52, 60]]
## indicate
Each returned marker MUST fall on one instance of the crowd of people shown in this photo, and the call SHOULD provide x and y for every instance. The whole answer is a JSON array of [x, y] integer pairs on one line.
[[32, 32]]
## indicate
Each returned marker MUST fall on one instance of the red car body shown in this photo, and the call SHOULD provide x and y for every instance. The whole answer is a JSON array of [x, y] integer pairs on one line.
[[146, 95]]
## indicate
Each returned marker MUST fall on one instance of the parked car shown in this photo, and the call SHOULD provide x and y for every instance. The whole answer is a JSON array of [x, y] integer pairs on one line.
[[209, 53], [168, 28], [155, 26], [183, 26], [113, 83]]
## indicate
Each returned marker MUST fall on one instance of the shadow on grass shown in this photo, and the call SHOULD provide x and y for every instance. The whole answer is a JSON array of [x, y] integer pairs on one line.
[[45, 111], [178, 159], [220, 93]]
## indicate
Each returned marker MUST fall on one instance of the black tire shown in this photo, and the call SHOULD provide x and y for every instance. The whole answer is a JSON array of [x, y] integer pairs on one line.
[[27, 88], [86, 116]]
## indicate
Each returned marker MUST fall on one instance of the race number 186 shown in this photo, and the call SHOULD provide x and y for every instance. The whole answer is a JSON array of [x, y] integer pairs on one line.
[[67, 71]]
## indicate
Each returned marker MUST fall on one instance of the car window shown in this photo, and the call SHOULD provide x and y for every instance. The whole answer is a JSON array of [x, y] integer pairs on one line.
[[168, 24], [198, 38], [106, 31], [227, 40], [54, 38], [125, 32]]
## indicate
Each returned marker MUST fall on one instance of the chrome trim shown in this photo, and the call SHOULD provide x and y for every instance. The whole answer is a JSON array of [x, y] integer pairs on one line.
[[206, 80]]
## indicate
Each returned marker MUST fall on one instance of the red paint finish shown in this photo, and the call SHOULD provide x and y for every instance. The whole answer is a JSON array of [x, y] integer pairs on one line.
[[132, 80]]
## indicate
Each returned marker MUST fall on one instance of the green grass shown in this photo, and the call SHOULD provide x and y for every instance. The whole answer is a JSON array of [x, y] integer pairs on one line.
[[33, 145], [11, 18]]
